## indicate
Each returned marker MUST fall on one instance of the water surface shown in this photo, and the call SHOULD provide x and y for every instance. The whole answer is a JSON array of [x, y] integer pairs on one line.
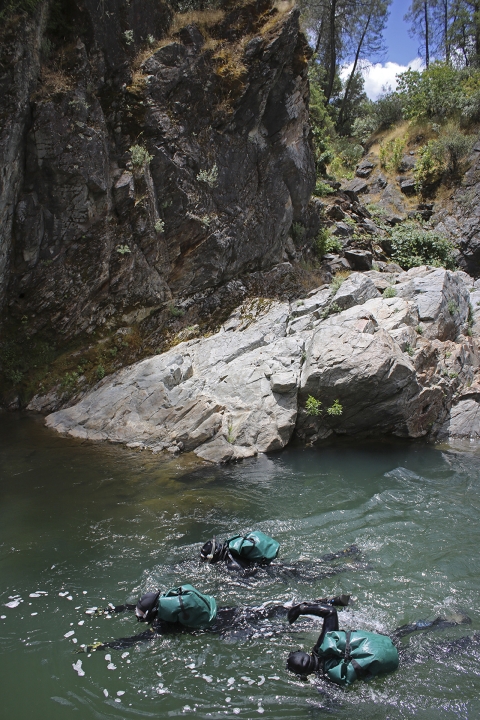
[[89, 524]]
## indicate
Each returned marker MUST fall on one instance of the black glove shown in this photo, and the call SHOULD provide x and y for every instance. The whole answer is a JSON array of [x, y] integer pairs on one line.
[[295, 612]]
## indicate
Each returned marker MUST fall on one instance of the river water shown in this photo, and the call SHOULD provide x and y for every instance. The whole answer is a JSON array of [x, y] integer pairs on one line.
[[82, 525]]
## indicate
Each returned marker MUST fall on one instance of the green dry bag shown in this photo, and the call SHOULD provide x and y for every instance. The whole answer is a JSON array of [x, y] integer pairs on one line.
[[255, 546], [352, 655], [188, 606]]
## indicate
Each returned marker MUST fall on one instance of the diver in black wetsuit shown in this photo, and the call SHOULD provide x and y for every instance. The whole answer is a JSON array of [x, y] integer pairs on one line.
[[324, 659], [214, 552], [246, 619]]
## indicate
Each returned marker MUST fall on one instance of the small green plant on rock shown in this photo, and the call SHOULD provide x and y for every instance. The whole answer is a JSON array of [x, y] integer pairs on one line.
[[128, 35], [409, 349], [210, 177], [452, 307], [325, 242], [298, 232], [159, 226], [389, 292], [335, 409], [312, 406], [100, 372], [230, 435], [140, 156], [176, 311], [337, 281], [123, 249], [70, 379]]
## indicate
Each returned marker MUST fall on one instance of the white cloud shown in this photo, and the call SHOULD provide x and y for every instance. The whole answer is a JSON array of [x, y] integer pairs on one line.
[[380, 75]]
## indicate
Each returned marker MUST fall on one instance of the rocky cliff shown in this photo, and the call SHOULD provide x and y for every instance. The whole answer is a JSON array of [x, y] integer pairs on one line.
[[145, 161]]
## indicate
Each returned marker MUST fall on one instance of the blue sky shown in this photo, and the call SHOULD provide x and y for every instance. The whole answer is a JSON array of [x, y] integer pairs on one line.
[[402, 51], [401, 47]]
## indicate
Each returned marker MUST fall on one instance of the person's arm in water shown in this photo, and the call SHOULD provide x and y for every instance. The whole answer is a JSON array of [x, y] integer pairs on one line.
[[299, 662]]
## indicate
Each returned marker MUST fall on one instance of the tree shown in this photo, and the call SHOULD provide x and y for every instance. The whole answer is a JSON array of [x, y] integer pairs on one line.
[[366, 33], [419, 18], [335, 27]]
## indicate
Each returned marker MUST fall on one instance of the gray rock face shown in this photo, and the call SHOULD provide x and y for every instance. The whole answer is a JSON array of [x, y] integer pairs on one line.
[[442, 300], [97, 236], [401, 365], [226, 397], [356, 290], [19, 67]]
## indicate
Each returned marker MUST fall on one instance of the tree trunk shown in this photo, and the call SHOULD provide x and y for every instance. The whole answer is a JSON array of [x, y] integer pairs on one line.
[[427, 40], [333, 51], [352, 74]]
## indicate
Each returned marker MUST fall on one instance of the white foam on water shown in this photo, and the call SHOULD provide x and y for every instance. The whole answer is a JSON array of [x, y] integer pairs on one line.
[[108, 657], [81, 622], [111, 666], [13, 604], [78, 668], [120, 693], [105, 692], [69, 633], [32, 614]]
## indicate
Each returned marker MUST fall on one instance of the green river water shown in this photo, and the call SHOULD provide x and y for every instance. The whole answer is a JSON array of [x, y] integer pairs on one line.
[[86, 524]]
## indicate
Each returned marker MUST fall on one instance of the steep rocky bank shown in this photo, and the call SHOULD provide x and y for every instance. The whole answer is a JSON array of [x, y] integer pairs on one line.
[[374, 362], [150, 162]]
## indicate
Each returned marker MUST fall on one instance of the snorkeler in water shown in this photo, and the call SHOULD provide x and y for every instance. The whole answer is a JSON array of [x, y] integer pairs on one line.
[[345, 656], [242, 621], [249, 552]]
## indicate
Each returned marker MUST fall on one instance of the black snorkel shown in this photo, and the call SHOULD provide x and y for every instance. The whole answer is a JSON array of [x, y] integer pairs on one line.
[[146, 609]]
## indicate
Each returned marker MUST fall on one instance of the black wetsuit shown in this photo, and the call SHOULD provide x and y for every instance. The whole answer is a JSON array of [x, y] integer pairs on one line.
[[308, 664], [306, 571], [240, 621]]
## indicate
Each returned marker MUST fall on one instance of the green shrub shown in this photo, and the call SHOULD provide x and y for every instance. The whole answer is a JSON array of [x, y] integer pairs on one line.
[[336, 283], [298, 232], [389, 292], [210, 177], [140, 156], [325, 242], [312, 406], [413, 246], [322, 189], [335, 409], [159, 226], [391, 154], [100, 372], [433, 93]]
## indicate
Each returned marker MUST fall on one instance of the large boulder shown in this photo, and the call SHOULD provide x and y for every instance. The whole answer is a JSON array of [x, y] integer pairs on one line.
[[371, 378], [225, 397], [441, 297]]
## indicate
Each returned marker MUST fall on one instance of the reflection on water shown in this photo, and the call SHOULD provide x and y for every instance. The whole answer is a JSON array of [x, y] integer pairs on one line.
[[83, 524]]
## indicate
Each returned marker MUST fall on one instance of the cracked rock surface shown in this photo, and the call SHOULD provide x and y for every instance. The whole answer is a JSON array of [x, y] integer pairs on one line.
[[406, 364]]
